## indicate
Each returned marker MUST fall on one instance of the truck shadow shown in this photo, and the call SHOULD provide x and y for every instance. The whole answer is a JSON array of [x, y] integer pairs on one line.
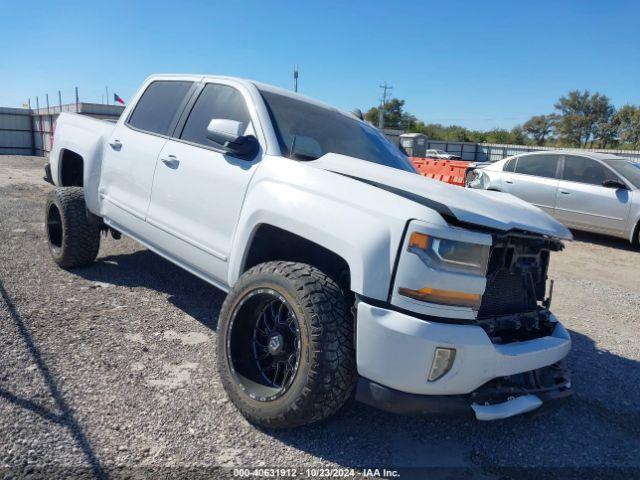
[[143, 268], [607, 394], [584, 432]]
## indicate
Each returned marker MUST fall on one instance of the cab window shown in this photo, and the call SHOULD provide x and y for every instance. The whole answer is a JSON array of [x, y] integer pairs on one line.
[[215, 101], [158, 106]]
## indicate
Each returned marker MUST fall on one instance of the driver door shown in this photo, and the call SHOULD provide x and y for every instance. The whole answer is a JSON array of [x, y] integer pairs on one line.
[[198, 189]]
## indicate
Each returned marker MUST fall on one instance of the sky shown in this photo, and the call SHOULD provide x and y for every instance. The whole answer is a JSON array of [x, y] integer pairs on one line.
[[479, 64]]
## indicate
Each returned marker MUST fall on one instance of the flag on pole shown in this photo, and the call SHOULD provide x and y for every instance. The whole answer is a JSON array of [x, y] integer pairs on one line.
[[117, 99]]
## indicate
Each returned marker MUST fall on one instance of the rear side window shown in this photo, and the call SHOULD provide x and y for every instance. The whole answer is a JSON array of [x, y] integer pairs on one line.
[[586, 170], [215, 101], [158, 105], [538, 165], [510, 166]]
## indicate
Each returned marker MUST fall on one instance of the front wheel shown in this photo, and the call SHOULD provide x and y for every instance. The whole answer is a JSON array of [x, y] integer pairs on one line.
[[285, 345]]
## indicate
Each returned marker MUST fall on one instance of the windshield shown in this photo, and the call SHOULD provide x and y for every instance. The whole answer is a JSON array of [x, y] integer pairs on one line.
[[628, 169], [306, 132]]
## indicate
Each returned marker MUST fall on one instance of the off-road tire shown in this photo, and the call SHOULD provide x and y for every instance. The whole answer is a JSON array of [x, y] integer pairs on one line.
[[326, 375], [73, 240]]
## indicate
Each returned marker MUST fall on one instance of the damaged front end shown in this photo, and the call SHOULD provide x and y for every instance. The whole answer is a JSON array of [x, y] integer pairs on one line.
[[515, 308], [515, 304], [530, 390]]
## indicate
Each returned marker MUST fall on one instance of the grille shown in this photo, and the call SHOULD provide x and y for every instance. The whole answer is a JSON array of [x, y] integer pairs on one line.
[[505, 294]]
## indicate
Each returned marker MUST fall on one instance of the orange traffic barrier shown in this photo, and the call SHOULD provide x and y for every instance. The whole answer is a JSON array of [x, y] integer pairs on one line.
[[449, 171]]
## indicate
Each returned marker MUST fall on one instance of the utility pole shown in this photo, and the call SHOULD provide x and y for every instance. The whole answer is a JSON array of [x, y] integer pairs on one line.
[[77, 99], [60, 100], [295, 77], [106, 89], [385, 87]]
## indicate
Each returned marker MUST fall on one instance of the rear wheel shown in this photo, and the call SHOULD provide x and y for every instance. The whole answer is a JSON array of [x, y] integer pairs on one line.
[[73, 240], [285, 345]]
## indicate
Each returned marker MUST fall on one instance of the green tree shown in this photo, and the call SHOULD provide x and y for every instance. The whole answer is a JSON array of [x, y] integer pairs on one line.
[[518, 135], [539, 127], [628, 118], [394, 115], [498, 135], [582, 117]]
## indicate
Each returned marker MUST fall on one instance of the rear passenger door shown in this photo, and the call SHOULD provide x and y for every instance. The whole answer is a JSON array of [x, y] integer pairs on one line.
[[534, 180], [130, 155], [585, 204], [198, 189]]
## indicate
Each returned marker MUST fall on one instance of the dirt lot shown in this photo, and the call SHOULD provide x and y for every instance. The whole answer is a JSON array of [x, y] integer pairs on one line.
[[114, 366]]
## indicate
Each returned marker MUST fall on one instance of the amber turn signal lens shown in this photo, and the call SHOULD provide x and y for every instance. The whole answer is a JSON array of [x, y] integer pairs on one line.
[[443, 297], [419, 240]]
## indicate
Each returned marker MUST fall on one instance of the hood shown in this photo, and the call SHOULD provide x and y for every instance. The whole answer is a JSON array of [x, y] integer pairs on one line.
[[495, 210]]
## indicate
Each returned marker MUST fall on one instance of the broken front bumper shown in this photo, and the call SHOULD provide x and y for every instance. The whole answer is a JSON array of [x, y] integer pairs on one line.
[[500, 398], [395, 352]]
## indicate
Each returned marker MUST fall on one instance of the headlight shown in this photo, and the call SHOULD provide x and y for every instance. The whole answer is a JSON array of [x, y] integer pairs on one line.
[[468, 260], [476, 179], [451, 255]]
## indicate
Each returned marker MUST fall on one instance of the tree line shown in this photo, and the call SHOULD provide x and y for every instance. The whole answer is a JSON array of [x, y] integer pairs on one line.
[[581, 119]]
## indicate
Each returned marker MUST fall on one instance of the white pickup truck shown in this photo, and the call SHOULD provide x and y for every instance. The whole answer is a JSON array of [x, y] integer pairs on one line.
[[346, 272]]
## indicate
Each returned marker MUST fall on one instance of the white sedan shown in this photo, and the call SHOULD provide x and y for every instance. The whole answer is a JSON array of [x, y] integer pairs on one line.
[[441, 154], [588, 191]]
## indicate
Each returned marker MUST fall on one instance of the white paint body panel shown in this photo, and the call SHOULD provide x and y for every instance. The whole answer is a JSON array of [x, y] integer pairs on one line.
[[203, 211], [396, 350]]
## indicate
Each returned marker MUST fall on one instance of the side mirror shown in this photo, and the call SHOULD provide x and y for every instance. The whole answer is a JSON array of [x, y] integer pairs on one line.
[[614, 184], [228, 134]]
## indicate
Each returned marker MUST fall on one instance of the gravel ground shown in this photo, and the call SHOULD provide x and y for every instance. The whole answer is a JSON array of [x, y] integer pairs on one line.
[[113, 366]]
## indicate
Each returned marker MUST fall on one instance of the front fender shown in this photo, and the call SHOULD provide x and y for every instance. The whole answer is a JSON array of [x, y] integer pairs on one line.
[[367, 242]]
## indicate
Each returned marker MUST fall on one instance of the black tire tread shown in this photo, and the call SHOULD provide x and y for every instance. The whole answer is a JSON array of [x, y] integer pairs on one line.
[[332, 374], [81, 238]]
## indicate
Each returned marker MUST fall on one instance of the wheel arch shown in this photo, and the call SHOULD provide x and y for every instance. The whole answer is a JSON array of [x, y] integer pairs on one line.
[[365, 253], [269, 243], [70, 169], [635, 234]]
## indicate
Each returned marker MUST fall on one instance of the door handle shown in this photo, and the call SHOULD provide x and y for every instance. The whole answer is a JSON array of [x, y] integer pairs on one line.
[[116, 145], [508, 181], [564, 192], [171, 161]]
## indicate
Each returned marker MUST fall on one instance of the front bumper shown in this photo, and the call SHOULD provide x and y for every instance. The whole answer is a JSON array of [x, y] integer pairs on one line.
[[501, 398], [396, 350]]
